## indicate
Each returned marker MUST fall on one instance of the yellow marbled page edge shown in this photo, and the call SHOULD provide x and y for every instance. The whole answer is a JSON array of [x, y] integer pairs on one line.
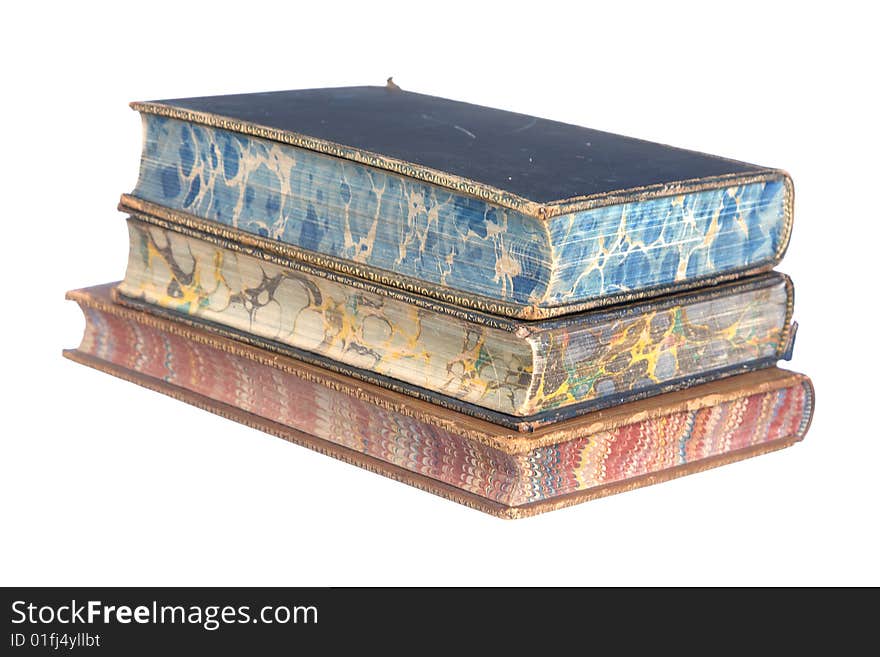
[[482, 431]]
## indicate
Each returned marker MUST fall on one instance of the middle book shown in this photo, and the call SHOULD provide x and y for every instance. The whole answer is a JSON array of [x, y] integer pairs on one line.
[[516, 373]]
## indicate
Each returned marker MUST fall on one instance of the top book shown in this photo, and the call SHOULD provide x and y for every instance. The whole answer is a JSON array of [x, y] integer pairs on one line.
[[487, 209]]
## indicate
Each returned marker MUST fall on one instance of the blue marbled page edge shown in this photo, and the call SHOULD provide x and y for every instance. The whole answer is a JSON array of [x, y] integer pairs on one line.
[[424, 232]]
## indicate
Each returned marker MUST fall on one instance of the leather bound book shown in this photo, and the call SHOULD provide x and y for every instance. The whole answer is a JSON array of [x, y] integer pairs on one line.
[[490, 210], [514, 372], [463, 458]]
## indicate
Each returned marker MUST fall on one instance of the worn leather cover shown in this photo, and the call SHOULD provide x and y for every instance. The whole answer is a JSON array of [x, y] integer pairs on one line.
[[534, 158]]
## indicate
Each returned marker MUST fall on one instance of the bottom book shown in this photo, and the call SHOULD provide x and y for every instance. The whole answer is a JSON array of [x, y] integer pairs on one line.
[[468, 460]]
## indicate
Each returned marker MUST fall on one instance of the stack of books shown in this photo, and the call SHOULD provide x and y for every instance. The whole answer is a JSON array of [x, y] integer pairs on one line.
[[514, 313]]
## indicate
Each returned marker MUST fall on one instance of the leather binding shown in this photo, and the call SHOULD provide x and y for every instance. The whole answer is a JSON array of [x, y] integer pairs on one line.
[[485, 209], [466, 459], [513, 372]]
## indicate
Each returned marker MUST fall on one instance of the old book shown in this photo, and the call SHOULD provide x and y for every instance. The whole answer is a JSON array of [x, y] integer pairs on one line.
[[457, 456], [492, 210], [514, 372]]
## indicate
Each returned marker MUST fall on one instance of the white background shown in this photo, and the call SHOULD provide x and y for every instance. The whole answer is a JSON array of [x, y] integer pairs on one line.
[[104, 483]]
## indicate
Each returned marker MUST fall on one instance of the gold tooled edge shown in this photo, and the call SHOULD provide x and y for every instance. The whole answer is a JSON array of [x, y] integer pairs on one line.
[[662, 190], [401, 167], [149, 212], [471, 428], [398, 473], [787, 320], [450, 181], [788, 218]]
